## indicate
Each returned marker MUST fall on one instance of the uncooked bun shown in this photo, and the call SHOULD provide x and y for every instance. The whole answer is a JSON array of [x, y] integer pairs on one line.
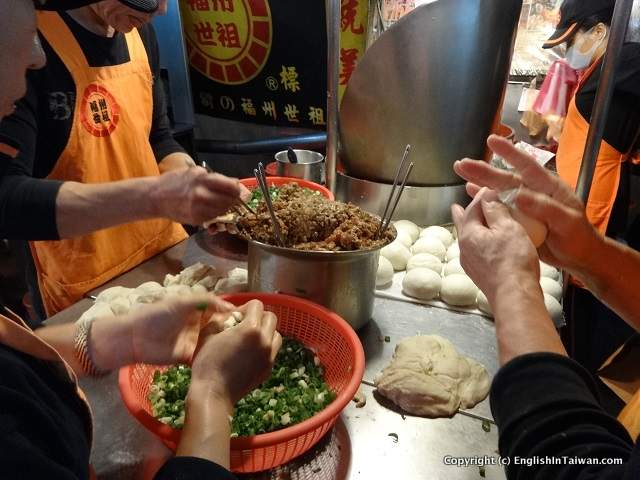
[[384, 275], [536, 230], [458, 290], [555, 310], [422, 283], [425, 260], [397, 254], [453, 267], [453, 251], [404, 238], [430, 245], [483, 303], [440, 233], [551, 287], [549, 271], [408, 226]]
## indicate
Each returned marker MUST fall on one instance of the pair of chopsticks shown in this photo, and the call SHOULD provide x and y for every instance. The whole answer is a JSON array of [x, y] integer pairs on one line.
[[386, 220], [204, 165], [261, 177]]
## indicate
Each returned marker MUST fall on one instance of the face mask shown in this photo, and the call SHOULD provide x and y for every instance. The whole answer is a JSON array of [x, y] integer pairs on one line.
[[576, 57]]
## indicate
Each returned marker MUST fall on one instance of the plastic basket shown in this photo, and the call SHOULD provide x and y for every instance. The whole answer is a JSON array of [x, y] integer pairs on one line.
[[331, 338], [252, 183]]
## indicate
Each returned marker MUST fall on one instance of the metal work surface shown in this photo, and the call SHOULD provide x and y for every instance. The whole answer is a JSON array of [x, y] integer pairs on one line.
[[359, 447]]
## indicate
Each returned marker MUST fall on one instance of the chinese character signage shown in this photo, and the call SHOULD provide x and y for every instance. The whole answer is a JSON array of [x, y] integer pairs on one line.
[[264, 61]]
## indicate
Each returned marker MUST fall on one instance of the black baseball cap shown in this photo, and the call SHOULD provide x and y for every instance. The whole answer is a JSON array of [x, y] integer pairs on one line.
[[144, 6], [572, 14]]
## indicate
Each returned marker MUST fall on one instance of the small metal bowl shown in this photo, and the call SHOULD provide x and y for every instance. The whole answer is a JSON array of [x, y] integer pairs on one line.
[[310, 165]]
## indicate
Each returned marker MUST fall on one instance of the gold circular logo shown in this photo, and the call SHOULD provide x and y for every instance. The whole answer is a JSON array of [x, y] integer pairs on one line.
[[227, 40]]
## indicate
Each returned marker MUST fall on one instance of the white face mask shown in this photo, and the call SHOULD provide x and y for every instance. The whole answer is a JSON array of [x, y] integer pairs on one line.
[[576, 57]]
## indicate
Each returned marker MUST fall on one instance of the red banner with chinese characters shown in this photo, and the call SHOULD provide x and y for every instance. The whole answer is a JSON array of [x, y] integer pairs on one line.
[[264, 61]]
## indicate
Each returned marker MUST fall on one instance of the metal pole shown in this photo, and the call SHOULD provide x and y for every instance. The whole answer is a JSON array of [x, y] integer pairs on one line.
[[621, 15], [333, 72]]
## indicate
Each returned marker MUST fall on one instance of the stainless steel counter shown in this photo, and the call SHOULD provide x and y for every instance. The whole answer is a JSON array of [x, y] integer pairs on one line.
[[359, 447]]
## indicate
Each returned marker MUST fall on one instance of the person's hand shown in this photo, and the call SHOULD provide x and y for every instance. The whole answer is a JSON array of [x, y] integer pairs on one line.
[[193, 196], [231, 363], [543, 196], [495, 250]]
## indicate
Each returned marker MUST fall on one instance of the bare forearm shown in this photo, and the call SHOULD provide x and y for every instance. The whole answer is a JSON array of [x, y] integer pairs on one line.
[[522, 322], [175, 161], [84, 208], [207, 428]]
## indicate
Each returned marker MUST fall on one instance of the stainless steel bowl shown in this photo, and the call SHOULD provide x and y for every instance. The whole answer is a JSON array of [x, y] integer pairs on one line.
[[310, 166], [344, 282]]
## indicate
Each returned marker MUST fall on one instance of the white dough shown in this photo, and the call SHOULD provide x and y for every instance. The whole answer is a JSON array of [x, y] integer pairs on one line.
[[453, 267], [536, 230], [409, 227], [384, 275], [549, 271], [150, 292], [483, 303], [453, 251], [555, 310], [397, 254], [428, 377], [97, 310], [440, 233], [237, 280], [113, 292], [458, 290], [208, 282], [422, 283], [178, 290], [430, 245], [425, 260], [120, 305], [551, 287], [404, 238]]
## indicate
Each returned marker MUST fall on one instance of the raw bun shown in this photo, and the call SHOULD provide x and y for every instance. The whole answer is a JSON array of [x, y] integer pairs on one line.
[[483, 303], [425, 260], [150, 292], [428, 377], [236, 281], [551, 287], [440, 233], [397, 254], [113, 293], [384, 275], [536, 230], [409, 227], [422, 283], [430, 245], [549, 271], [458, 290], [404, 238], [120, 305], [453, 251], [98, 310], [555, 310], [453, 267], [178, 290]]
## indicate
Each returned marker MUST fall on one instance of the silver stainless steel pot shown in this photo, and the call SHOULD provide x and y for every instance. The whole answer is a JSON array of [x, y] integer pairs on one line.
[[310, 165], [344, 282]]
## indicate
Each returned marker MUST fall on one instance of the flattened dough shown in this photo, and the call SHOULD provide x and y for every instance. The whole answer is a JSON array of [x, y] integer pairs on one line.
[[458, 290], [428, 377], [425, 260], [430, 245], [422, 283], [440, 233], [384, 275], [408, 226], [397, 254]]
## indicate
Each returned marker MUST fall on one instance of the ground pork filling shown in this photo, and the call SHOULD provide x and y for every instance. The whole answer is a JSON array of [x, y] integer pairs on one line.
[[309, 221]]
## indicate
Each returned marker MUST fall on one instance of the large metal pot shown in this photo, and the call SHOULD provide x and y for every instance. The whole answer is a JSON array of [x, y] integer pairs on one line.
[[344, 282]]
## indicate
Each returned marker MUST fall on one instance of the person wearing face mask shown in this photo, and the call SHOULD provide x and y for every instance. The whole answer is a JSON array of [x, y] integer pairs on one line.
[[89, 171], [583, 31]]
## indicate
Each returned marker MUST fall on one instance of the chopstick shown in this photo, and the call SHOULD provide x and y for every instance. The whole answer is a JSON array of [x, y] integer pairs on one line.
[[262, 183], [386, 220]]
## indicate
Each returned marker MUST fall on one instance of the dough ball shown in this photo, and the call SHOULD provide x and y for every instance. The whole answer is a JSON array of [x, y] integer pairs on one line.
[[404, 238], [453, 251], [549, 271], [120, 305], [551, 287], [453, 267], [236, 281], [98, 310], [422, 283], [483, 303], [430, 245], [397, 254], [425, 260], [409, 227], [150, 292], [384, 275], [171, 280], [112, 293], [536, 230], [440, 233], [178, 290], [458, 290], [198, 289], [555, 310], [428, 377]]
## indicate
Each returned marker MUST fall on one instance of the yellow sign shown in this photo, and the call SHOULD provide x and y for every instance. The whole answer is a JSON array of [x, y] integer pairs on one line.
[[353, 37]]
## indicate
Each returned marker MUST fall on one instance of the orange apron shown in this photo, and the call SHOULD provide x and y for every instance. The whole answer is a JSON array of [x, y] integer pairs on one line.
[[606, 178], [109, 141]]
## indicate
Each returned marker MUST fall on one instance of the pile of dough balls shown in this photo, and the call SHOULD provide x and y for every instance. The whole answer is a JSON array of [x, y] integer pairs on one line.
[[433, 270]]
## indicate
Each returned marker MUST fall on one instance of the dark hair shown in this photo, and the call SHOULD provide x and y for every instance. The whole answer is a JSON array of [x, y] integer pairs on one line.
[[604, 16]]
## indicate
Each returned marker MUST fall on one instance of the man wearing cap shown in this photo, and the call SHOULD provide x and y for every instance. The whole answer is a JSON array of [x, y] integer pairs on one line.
[[81, 156], [584, 31]]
